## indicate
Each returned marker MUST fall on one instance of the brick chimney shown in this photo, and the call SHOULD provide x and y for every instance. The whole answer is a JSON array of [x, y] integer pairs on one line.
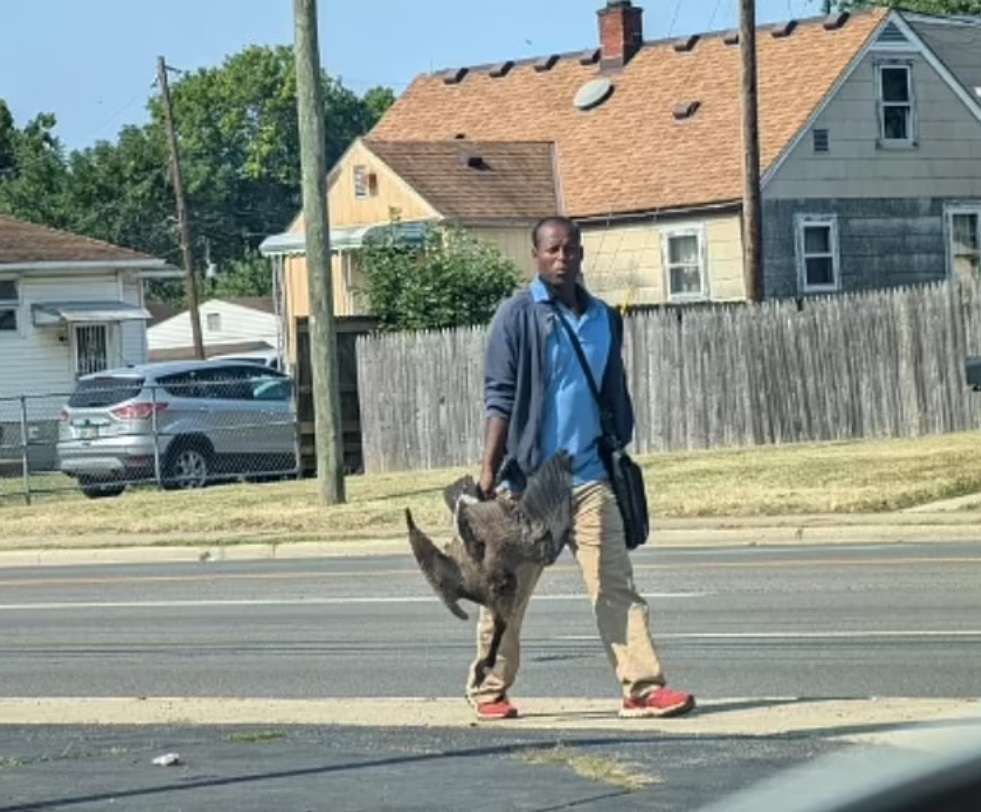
[[621, 31]]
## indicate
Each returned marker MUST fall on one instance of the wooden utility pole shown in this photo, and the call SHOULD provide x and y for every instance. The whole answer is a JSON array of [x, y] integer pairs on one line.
[[752, 230], [323, 341], [185, 228]]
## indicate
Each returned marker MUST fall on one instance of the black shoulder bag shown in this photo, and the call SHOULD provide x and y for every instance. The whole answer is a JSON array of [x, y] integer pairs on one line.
[[626, 478]]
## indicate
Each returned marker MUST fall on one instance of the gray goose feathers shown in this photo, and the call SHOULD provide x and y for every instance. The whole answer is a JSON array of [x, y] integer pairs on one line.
[[493, 537]]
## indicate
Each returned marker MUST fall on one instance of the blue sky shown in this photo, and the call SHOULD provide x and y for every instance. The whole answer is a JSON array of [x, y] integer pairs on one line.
[[92, 62]]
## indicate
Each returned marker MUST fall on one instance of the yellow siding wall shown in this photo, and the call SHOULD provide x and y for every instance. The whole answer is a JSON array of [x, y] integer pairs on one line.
[[296, 297], [297, 293], [624, 262], [346, 210], [514, 243]]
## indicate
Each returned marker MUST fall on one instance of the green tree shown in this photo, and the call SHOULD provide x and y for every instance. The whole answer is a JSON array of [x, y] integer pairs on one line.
[[32, 170], [248, 276], [238, 137], [453, 279], [120, 192], [922, 6], [377, 101]]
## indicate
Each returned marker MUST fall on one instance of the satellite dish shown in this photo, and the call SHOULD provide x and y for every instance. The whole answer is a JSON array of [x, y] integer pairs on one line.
[[593, 93]]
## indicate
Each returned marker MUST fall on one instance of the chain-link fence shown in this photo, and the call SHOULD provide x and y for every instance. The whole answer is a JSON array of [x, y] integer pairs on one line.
[[112, 433]]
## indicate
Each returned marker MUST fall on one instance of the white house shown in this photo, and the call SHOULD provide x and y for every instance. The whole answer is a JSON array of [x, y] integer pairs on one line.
[[69, 305], [227, 326]]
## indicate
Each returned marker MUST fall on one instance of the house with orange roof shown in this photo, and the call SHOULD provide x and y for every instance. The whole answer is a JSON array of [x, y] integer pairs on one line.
[[870, 141]]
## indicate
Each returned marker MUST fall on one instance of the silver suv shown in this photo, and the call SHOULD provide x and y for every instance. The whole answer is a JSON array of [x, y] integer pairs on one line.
[[181, 423]]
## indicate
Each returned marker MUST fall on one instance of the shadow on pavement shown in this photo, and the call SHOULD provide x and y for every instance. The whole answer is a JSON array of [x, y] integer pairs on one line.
[[184, 785], [209, 783], [715, 709]]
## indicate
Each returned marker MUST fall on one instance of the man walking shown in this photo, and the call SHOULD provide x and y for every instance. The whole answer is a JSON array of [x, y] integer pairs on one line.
[[538, 401]]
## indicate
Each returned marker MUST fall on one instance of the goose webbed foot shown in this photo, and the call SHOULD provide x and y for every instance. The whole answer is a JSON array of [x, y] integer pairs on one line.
[[490, 660]]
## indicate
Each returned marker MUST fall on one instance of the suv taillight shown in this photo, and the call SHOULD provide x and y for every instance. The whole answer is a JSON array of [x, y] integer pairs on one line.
[[137, 411], [63, 416]]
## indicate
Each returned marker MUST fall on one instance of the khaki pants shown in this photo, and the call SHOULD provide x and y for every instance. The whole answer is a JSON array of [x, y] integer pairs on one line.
[[621, 613]]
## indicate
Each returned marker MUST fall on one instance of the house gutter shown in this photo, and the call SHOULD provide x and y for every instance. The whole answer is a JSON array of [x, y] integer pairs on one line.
[[655, 214], [94, 265]]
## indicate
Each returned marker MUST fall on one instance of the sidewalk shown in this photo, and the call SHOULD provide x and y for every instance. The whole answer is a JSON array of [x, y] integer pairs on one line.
[[870, 717], [940, 522]]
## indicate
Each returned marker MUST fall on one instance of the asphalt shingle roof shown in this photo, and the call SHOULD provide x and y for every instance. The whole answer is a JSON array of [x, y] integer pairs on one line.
[[631, 153]]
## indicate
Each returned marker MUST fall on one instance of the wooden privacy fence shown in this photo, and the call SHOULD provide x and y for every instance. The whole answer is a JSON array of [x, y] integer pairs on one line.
[[347, 329], [864, 365]]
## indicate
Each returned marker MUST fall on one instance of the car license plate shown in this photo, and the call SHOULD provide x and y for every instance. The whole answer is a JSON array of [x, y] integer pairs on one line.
[[88, 432]]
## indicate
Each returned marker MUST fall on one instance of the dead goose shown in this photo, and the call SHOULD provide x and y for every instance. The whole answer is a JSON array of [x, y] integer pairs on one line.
[[492, 538]]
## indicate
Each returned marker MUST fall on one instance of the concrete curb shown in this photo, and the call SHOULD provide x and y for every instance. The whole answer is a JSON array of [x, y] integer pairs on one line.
[[670, 534], [944, 731], [740, 716]]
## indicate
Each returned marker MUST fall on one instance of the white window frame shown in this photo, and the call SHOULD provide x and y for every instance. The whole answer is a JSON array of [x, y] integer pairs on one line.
[[801, 223], [881, 104], [361, 179], [951, 210], [213, 322], [113, 344], [13, 306], [695, 230]]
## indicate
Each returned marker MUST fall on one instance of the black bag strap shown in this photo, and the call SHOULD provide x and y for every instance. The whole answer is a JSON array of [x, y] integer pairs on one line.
[[606, 423]]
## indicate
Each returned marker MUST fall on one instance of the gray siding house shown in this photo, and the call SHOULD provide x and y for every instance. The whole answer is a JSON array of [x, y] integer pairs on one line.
[[882, 187]]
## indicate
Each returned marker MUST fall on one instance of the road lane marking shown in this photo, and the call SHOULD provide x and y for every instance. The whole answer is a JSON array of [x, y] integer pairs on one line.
[[337, 601], [803, 563], [852, 634], [638, 566]]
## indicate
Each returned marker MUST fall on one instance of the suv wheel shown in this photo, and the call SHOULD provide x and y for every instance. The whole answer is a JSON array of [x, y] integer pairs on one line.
[[189, 466]]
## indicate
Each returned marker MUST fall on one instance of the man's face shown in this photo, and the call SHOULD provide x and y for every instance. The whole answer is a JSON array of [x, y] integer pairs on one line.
[[558, 255]]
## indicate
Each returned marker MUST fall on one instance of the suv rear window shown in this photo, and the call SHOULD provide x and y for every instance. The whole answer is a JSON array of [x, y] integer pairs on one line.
[[106, 391]]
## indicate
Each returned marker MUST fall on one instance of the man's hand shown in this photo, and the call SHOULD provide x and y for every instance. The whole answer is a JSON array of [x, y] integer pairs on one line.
[[486, 483], [495, 433]]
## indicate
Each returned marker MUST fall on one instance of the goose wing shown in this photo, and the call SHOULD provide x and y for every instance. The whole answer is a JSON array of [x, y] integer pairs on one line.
[[441, 571], [534, 527], [546, 508]]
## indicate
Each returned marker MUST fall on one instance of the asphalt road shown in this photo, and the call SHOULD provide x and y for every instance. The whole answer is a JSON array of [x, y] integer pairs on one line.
[[879, 620], [899, 620], [345, 770]]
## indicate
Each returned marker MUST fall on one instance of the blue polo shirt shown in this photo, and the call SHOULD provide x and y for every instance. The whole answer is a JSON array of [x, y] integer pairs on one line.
[[570, 418]]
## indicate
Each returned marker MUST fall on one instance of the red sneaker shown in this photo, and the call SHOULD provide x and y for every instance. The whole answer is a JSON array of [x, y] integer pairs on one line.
[[659, 703], [499, 709]]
